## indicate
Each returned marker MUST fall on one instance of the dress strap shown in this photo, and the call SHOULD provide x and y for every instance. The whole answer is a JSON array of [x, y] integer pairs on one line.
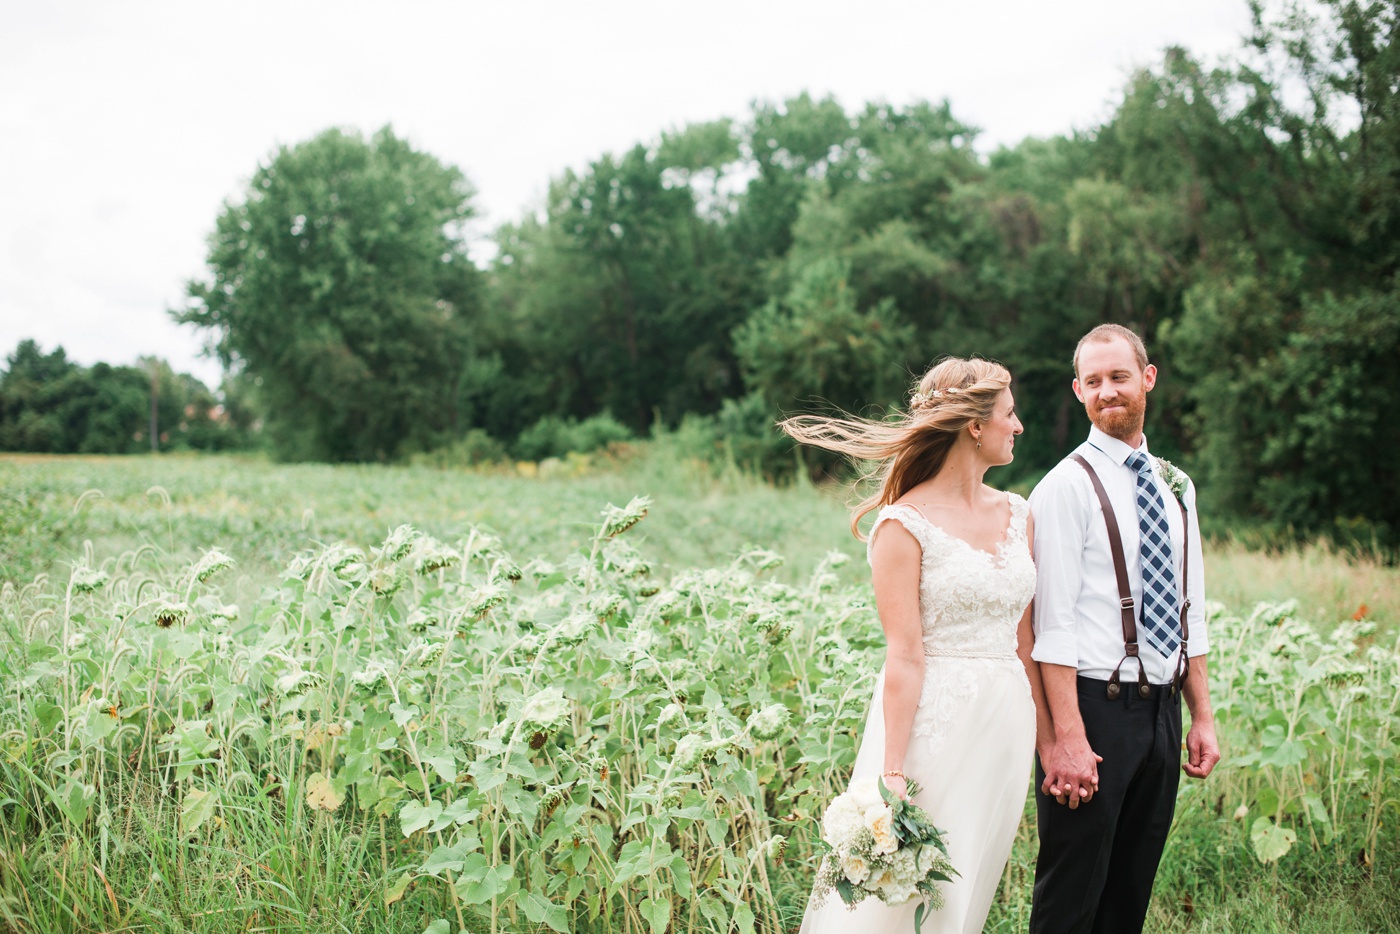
[[906, 515], [1020, 511]]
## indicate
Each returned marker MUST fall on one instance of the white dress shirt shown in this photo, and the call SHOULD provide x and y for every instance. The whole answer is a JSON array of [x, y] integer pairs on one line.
[[1077, 618]]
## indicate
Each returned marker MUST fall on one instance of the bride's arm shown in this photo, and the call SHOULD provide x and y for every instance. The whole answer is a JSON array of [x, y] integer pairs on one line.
[[895, 562], [1025, 641]]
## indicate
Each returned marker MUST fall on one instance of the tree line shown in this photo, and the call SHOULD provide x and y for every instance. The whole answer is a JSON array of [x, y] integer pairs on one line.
[[52, 405], [1244, 217]]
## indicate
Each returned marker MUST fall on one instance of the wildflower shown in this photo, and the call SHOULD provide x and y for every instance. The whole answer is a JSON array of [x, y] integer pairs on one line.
[[168, 614], [386, 581], [775, 847], [484, 599], [506, 570], [606, 605], [617, 520], [689, 750], [228, 611], [88, 580], [420, 654], [548, 708], [373, 673], [420, 618], [574, 629], [399, 543], [668, 713], [768, 722], [212, 562], [430, 555], [762, 558]]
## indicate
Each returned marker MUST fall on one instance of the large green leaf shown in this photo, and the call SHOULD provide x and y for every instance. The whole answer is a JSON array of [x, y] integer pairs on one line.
[[198, 807], [1271, 842], [541, 910], [657, 912]]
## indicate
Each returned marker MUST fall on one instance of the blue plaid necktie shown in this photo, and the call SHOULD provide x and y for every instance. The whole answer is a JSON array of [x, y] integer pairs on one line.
[[1159, 594]]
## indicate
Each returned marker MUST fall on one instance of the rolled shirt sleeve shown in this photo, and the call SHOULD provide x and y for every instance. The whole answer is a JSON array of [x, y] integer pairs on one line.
[[1060, 512], [1198, 641]]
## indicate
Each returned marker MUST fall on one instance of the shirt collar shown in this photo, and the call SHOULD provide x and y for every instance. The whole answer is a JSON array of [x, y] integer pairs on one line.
[[1118, 451]]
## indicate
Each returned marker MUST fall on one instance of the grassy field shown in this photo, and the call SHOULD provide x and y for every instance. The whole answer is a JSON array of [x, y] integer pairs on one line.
[[330, 733]]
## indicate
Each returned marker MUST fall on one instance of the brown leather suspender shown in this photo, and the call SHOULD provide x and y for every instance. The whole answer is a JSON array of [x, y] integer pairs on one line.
[[1127, 605]]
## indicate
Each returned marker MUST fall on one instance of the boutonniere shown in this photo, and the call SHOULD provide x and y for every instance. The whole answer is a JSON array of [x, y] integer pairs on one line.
[[1174, 476]]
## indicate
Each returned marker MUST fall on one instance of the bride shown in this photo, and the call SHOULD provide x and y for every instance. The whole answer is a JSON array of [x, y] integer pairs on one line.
[[954, 707]]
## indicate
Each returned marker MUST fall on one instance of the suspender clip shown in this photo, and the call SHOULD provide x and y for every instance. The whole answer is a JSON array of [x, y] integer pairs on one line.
[[1128, 603]]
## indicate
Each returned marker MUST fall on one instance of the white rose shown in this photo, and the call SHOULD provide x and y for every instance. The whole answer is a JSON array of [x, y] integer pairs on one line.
[[898, 894], [840, 822], [866, 793], [880, 820], [855, 869], [880, 881]]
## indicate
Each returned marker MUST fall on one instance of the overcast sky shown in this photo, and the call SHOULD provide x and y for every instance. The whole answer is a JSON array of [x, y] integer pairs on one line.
[[126, 125]]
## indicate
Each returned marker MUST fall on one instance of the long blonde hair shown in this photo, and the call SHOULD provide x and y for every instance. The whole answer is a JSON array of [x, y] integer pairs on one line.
[[907, 449]]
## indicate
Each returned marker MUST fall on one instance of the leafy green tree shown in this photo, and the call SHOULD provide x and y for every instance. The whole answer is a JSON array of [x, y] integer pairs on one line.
[[622, 298], [817, 347], [340, 283], [48, 404]]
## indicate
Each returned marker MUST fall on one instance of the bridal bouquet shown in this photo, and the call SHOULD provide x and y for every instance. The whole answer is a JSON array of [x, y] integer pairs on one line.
[[882, 846]]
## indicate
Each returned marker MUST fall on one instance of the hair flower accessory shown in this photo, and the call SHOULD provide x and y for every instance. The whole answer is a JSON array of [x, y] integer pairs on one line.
[[925, 400]]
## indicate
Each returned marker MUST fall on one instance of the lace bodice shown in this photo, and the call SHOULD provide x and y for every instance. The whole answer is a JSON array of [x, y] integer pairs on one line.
[[970, 601]]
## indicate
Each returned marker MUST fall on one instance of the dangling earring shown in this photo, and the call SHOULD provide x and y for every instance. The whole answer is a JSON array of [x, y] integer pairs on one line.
[[979, 444]]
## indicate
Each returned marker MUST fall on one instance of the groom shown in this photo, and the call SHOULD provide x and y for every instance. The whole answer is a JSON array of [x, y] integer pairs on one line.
[[1120, 635]]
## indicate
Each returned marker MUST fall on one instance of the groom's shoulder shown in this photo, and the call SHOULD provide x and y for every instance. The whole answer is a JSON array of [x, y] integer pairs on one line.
[[1066, 479]]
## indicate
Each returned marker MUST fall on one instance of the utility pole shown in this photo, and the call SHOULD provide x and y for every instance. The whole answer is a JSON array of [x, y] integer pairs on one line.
[[155, 397]]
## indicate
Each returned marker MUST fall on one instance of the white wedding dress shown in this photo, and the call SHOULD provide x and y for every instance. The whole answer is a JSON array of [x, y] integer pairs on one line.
[[974, 731]]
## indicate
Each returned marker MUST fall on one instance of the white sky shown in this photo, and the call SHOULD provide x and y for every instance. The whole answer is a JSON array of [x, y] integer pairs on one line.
[[126, 125]]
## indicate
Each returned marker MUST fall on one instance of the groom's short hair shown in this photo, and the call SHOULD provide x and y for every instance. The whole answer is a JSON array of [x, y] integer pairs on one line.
[[1107, 334]]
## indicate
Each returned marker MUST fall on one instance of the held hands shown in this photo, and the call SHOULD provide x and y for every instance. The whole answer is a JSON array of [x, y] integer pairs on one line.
[[1071, 770], [1202, 751]]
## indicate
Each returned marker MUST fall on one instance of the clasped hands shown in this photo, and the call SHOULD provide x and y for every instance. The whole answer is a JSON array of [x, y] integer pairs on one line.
[[1071, 771]]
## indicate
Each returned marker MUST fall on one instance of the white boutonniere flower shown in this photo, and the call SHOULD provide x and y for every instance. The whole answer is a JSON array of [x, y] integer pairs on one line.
[[1174, 476]]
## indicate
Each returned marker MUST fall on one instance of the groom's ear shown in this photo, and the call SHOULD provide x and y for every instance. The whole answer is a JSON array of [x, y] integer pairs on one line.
[[1149, 378], [1077, 393]]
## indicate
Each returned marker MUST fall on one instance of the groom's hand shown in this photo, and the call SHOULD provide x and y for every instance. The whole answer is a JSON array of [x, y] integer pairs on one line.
[[1072, 770], [1202, 751]]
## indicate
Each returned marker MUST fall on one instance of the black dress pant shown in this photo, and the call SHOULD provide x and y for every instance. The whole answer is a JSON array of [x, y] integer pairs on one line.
[[1097, 862]]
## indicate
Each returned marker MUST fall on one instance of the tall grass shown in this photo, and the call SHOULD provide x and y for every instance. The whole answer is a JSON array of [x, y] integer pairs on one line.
[[572, 725]]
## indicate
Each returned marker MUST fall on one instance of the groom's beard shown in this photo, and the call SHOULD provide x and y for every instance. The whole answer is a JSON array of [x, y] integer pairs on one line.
[[1125, 422]]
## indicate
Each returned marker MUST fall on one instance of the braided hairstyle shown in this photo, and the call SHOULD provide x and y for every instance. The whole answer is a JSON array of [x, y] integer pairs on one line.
[[906, 449]]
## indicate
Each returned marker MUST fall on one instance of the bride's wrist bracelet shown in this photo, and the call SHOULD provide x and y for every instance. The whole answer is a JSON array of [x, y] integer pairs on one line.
[[895, 773]]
